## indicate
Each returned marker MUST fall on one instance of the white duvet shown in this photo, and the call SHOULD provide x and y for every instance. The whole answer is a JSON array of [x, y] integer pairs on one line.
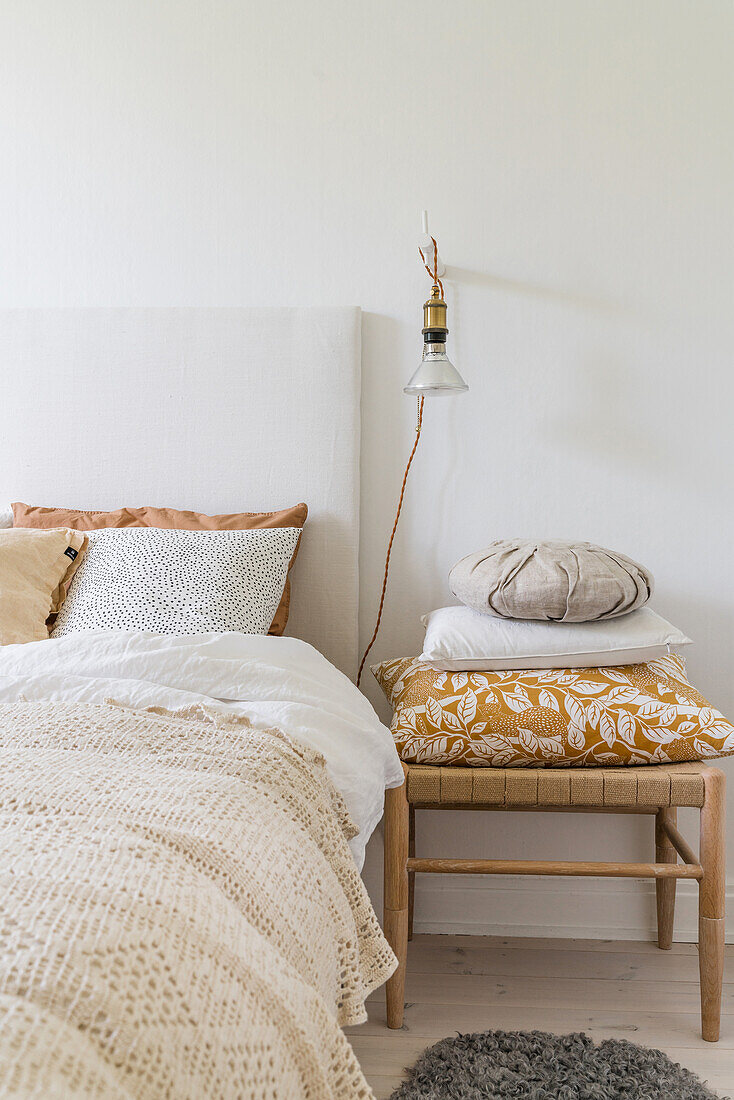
[[280, 682]]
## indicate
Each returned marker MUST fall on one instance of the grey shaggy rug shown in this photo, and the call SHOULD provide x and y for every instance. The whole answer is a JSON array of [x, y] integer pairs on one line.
[[534, 1065]]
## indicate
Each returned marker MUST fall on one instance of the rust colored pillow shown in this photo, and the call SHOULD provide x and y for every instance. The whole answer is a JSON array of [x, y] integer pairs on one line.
[[170, 519]]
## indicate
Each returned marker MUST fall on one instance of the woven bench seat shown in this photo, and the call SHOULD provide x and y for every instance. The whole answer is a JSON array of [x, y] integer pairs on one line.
[[653, 785], [655, 789]]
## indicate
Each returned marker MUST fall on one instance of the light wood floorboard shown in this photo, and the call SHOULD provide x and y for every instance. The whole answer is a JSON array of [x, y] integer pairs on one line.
[[607, 989]]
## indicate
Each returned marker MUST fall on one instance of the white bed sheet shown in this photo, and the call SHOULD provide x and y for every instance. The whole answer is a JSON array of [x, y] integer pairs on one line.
[[281, 682]]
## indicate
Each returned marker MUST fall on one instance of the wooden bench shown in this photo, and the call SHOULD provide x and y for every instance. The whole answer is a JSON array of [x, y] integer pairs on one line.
[[656, 790]]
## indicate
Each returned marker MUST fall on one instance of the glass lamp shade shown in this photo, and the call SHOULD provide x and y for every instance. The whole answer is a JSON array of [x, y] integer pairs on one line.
[[436, 375]]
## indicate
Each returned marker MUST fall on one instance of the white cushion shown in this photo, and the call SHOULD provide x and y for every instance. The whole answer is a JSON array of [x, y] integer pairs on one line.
[[178, 582], [459, 639]]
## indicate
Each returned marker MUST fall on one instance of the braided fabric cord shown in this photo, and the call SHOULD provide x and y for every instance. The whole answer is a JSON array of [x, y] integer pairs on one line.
[[180, 914], [419, 427], [386, 573]]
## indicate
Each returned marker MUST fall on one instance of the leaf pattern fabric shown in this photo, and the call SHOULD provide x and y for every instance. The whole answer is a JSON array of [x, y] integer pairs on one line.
[[633, 714]]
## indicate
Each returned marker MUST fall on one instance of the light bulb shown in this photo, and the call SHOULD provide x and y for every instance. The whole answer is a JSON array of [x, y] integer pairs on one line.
[[436, 374]]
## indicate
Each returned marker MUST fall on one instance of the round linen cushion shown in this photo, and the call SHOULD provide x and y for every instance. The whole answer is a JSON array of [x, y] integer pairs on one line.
[[564, 582]]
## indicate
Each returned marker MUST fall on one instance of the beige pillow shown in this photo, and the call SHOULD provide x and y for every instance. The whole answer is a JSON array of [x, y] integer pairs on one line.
[[562, 582], [35, 570]]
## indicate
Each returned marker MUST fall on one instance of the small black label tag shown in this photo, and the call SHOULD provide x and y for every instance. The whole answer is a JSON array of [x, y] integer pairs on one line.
[[71, 552]]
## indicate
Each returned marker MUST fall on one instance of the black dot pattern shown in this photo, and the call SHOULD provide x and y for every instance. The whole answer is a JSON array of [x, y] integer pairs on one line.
[[178, 582]]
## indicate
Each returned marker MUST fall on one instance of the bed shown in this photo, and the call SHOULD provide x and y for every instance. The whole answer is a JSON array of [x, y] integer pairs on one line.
[[183, 816]]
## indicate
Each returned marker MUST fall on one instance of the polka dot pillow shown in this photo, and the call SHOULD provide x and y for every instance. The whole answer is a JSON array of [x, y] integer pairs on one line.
[[178, 582], [633, 714]]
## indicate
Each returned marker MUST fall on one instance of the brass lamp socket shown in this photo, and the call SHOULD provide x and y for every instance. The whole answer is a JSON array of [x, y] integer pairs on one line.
[[434, 319]]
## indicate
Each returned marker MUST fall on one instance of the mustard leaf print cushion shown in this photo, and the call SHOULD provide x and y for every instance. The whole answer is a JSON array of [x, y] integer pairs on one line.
[[632, 714]]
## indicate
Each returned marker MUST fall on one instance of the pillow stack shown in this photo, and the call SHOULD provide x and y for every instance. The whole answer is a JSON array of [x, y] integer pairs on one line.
[[173, 519], [553, 659], [149, 569]]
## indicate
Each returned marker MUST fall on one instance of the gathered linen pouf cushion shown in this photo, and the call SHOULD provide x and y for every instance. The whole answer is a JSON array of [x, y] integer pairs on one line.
[[565, 582], [633, 714]]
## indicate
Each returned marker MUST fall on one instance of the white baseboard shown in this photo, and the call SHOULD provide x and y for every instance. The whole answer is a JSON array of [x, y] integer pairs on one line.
[[575, 908]]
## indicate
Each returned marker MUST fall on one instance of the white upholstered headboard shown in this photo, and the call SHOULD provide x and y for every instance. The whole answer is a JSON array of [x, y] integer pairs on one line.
[[216, 410]]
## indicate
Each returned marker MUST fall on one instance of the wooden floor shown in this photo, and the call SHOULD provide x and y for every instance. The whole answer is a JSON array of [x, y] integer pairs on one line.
[[607, 989]]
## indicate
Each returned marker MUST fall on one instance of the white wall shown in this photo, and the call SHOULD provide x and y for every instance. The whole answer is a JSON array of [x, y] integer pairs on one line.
[[576, 159]]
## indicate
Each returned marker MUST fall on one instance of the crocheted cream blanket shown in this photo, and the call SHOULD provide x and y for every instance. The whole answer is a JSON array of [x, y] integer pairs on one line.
[[180, 915]]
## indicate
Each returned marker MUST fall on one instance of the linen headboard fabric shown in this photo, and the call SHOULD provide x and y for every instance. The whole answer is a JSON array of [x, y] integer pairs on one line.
[[215, 410]]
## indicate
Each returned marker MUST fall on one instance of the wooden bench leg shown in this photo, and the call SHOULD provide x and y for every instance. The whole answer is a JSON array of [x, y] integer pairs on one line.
[[395, 920], [665, 887], [411, 874], [711, 904]]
